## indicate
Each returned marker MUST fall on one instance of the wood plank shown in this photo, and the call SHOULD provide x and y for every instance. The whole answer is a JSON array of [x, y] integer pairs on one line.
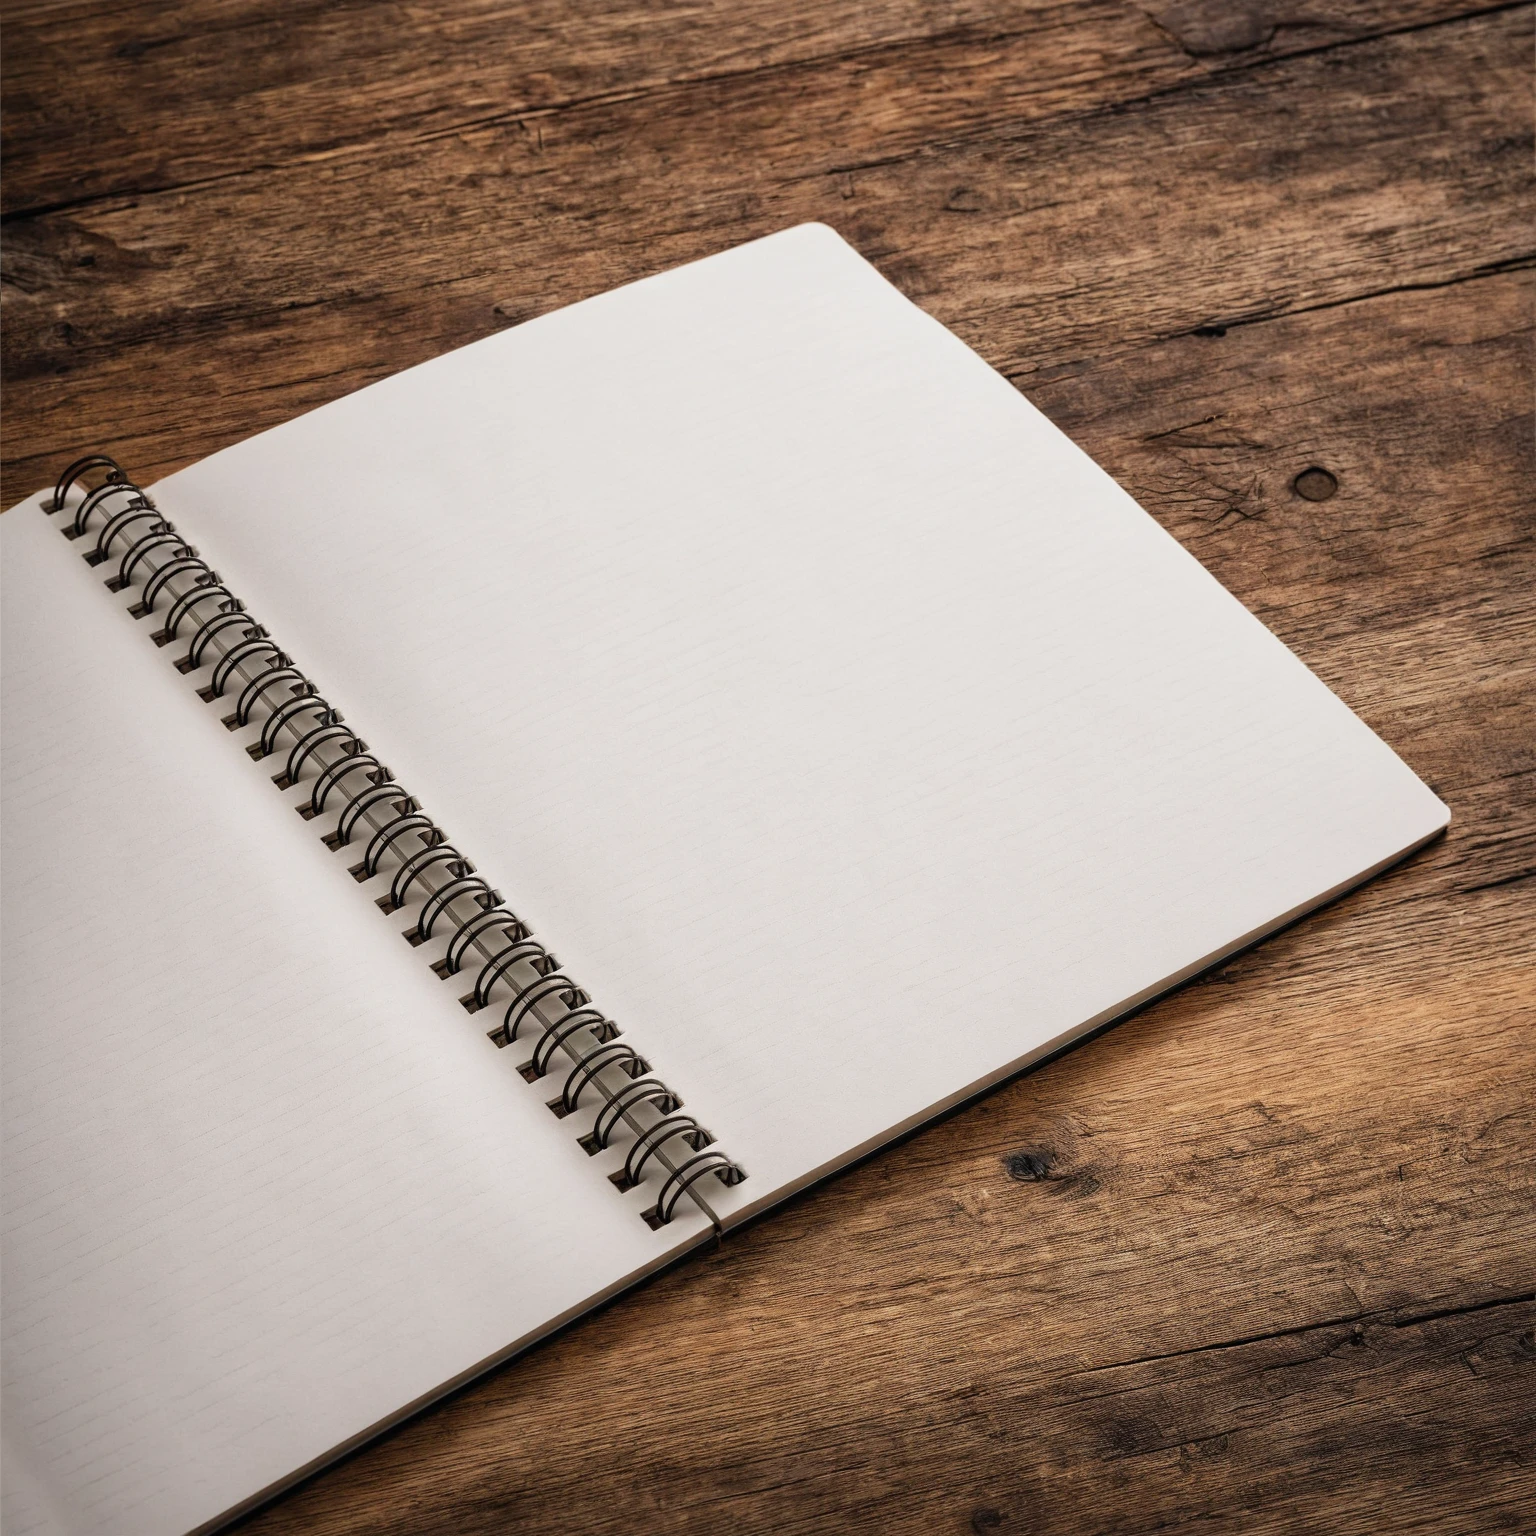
[[1343, 1428], [152, 95], [168, 326], [1252, 1260]]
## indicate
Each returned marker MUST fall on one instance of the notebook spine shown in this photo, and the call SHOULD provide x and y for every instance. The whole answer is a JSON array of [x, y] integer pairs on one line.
[[516, 979]]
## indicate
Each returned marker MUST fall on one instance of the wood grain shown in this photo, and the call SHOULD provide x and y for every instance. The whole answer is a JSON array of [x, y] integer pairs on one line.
[[147, 95], [1260, 1259], [1153, 217]]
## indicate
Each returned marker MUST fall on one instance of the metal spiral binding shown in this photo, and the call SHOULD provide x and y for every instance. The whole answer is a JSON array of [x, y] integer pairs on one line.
[[344, 777]]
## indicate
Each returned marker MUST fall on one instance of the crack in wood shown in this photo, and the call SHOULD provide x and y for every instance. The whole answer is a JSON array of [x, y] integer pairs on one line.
[[1385, 1315], [1521, 263]]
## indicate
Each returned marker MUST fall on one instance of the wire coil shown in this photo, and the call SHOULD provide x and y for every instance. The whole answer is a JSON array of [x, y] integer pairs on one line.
[[335, 765]]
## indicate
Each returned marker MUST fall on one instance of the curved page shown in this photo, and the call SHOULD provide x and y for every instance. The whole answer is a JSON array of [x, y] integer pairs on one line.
[[265, 1185]]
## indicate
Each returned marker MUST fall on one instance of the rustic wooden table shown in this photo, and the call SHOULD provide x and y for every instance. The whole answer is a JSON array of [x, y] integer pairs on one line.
[[1261, 1258]]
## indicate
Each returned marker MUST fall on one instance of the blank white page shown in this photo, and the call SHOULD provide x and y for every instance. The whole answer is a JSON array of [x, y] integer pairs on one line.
[[265, 1185], [855, 739]]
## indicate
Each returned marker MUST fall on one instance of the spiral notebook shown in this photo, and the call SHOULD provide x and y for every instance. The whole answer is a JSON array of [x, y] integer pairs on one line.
[[495, 833]]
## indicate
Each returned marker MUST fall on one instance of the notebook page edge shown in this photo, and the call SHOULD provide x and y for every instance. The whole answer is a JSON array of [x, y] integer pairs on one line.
[[513, 1352], [1048, 1051]]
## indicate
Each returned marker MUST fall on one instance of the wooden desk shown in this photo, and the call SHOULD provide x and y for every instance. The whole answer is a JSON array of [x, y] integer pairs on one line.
[[1260, 1259]]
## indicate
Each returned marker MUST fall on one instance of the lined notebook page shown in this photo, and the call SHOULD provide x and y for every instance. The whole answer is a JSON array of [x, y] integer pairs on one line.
[[264, 1182], [853, 737]]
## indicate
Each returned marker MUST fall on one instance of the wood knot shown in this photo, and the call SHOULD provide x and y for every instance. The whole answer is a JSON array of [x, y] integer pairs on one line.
[[984, 1520], [1030, 1165], [1045, 1165], [1314, 484]]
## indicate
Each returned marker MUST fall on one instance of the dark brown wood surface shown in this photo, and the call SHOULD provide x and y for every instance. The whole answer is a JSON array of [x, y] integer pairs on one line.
[[1260, 1259]]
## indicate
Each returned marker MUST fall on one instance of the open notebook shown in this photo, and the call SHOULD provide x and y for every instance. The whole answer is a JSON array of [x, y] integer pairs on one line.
[[739, 637]]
